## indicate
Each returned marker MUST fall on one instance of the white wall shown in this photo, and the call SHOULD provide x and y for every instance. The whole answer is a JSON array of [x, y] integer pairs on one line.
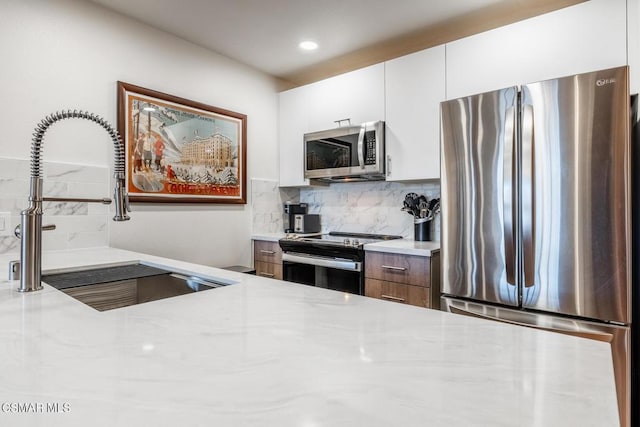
[[633, 44], [59, 54]]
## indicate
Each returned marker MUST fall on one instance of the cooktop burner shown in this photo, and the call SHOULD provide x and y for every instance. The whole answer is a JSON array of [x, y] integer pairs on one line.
[[339, 238]]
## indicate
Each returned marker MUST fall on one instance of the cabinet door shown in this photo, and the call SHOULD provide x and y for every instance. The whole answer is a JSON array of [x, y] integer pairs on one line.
[[267, 251], [585, 37], [408, 269], [398, 292], [357, 96], [292, 127], [268, 269], [414, 87]]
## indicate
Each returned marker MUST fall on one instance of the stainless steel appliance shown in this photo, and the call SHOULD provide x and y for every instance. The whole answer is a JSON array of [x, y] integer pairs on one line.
[[536, 209], [347, 153], [306, 223], [333, 261], [291, 210]]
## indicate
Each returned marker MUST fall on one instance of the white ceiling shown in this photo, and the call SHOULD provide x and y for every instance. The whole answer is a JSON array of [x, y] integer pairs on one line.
[[265, 33]]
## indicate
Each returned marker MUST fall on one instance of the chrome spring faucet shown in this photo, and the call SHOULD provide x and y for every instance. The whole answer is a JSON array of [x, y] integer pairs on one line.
[[30, 229]]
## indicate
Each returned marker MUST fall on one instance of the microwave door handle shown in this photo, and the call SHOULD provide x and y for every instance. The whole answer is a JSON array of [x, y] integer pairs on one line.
[[361, 146]]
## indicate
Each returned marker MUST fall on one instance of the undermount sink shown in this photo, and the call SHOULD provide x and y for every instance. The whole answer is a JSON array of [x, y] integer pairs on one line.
[[125, 285]]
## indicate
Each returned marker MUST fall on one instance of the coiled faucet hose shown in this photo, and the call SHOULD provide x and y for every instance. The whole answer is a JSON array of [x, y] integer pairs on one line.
[[41, 128]]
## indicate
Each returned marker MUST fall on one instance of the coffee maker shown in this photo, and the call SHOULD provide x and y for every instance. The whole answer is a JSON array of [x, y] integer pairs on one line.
[[298, 221]]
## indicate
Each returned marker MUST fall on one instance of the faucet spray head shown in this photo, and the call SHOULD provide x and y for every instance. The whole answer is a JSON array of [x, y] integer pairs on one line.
[[121, 199]]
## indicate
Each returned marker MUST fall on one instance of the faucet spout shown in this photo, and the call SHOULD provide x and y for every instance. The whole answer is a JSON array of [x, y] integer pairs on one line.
[[31, 218]]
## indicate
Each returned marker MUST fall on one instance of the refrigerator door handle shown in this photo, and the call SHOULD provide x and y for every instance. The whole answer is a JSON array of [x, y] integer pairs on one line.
[[528, 195], [507, 193], [583, 333]]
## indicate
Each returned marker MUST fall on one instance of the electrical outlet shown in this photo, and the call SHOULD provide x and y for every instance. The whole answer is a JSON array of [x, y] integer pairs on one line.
[[5, 224]]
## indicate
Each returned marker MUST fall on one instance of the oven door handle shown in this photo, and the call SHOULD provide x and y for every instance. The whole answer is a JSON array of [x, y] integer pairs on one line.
[[322, 262]]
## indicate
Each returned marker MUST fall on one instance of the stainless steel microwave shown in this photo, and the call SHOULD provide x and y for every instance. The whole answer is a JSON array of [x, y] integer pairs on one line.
[[347, 153]]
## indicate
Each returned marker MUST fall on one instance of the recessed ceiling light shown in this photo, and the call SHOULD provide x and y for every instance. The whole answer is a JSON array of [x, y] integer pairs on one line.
[[308, 45]]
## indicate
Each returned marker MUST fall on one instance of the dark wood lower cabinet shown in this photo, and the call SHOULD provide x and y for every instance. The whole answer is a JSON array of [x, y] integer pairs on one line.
[[267, 259], [268, 269], [407, 279], [398, 292]]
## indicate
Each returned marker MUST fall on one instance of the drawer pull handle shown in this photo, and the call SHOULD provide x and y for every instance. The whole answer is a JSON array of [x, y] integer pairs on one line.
[[390, 267], [263, 251], [392, 298], [266, 274]]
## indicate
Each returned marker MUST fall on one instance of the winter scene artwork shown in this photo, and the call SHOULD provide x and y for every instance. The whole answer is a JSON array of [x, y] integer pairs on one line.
[[179, 150]]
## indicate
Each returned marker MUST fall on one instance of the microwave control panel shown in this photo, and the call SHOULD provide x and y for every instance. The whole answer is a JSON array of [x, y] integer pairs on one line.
[[370, 148]]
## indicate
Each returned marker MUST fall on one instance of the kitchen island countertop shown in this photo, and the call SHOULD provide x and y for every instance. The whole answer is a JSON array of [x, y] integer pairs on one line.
[[263, 352]]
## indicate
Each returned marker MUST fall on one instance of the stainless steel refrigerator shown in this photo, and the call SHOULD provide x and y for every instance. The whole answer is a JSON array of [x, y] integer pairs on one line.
[[536, 209]]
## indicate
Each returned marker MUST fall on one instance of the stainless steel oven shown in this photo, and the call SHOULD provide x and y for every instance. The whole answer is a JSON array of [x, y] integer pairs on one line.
[[323, 272], [332, 261]]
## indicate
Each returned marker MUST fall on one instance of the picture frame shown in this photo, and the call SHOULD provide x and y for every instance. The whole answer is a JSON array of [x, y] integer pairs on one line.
[[181, 151]]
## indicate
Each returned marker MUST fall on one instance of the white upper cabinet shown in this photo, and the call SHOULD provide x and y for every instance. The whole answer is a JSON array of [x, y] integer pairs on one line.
[[581, 38], [292, 127], [415, 86], [357, 96]]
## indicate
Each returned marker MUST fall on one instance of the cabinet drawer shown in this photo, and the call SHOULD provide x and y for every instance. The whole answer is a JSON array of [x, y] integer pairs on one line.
[[398, 292], [268, 269], [267, 251], [411, 270]]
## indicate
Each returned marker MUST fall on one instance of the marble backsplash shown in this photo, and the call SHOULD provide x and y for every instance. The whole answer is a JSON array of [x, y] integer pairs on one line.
[[267, 201], [360, 207], [78, 225], [368, 207]]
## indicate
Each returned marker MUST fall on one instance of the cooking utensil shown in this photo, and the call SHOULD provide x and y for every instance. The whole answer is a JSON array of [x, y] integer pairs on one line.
[[410, 202], [420, 207]]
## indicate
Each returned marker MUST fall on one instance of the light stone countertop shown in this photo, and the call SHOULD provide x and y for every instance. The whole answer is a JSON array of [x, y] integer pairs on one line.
[[263, 352], [268, 237], [397, 246], [404, 247]]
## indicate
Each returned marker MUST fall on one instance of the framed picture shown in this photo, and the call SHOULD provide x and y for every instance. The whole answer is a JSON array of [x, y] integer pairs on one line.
[[181, 151]]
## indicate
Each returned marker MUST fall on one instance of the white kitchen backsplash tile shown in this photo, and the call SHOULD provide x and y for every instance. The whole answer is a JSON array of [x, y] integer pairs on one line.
[[267, 201], [368, 207], [78, 225]]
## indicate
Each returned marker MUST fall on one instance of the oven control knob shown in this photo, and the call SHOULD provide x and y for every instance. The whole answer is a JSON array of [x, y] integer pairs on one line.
[[355, 242], [347, 242]]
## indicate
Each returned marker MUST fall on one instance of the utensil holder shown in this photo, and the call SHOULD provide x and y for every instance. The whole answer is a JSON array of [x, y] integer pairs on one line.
[[422, 229]]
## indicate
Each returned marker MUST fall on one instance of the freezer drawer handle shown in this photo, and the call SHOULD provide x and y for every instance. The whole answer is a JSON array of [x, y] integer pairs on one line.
[[391, 267], [593, 335], [389, 297]]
